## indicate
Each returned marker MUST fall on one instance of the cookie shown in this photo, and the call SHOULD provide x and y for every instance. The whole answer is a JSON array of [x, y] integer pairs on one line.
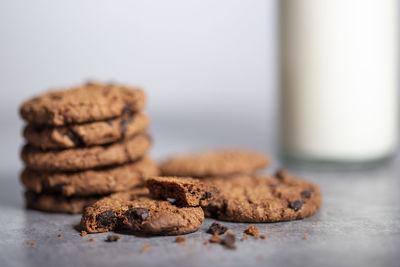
[[90, 182], [76, 159], [87, 134], [214, 163], [262, 199], [185, 191], [140, 215], [57, 203], [85, 103]]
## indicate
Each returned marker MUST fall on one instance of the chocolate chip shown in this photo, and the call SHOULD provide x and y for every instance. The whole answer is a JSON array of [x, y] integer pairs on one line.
[[74, 137], [296, 205], [58, 188], [306, 193], [125, 123], [282, 174], [113, 238], [109, 122], [206, 195], [229, 241], [217, 228], [136, 215], [127, 108], [106, 146], [105, 219]]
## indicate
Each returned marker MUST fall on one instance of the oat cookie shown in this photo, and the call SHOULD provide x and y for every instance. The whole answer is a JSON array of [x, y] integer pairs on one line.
[[90, 182], [140, 214], [262, 199], [85, 103], [86, 134], [214, 163], [76, 159]]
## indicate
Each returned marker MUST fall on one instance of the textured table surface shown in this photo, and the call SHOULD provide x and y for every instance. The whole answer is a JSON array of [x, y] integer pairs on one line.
[[357, 225]]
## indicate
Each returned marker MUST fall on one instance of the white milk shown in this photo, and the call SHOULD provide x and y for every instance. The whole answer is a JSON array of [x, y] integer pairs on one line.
[[339, 79]]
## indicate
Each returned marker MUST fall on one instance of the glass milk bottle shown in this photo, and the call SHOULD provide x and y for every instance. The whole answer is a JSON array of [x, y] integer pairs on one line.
[[339, 74]]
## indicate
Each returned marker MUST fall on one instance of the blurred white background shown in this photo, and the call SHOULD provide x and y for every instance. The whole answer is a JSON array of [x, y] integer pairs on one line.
[[209, 67]]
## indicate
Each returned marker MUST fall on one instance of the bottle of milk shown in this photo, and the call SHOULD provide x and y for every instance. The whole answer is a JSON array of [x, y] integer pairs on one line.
[[339, 79]]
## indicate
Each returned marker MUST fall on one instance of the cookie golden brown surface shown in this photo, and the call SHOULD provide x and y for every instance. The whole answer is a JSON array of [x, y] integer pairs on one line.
[[221, 162], [85, 103], [90, 182]]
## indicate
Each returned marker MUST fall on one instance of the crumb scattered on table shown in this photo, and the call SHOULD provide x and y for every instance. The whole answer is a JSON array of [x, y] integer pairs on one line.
[[206, 242], [263, 236], [304, 237], [244, 237], [216, 227], [83, 233], [229, 240], [252, 230], [180, 239], [60, 235], [30, 243], [90, 239], [113, 238], [215, 238], [145, 247]]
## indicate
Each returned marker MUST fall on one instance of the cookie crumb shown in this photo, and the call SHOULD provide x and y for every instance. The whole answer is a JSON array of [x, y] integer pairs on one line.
[[113, 238], [217, 228], [229, 240], [304, 237], [90, 239], [83, 233], [252, 230], [206, 242], [180, 239], [60, 235], [145, 247], [244, 237], [263, 236], [215, 238], [30, 243]]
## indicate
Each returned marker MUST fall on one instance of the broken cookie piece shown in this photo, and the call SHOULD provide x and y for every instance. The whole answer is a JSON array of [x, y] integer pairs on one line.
[[185, 191], [140, 214]]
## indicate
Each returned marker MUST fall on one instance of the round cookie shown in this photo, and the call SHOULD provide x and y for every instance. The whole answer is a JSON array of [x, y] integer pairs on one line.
[[214, 163], [140, 215], [262, 199], [57, 203], [90, 182], [76, 159], [87, 134], [88, 102]]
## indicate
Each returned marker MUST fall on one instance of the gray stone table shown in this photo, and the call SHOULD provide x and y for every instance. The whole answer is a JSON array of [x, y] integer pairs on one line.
[[357, 225]]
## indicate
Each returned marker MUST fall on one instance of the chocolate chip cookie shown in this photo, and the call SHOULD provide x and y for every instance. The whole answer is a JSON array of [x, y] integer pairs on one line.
[[185, 191], [90, 182], [140, 214], [85, 103], [214, 163], [86, 134], [76, 159], [262, 199], [58, 203]]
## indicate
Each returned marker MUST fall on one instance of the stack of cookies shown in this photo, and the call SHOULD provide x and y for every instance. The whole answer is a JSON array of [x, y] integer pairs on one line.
[[84, 143]]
